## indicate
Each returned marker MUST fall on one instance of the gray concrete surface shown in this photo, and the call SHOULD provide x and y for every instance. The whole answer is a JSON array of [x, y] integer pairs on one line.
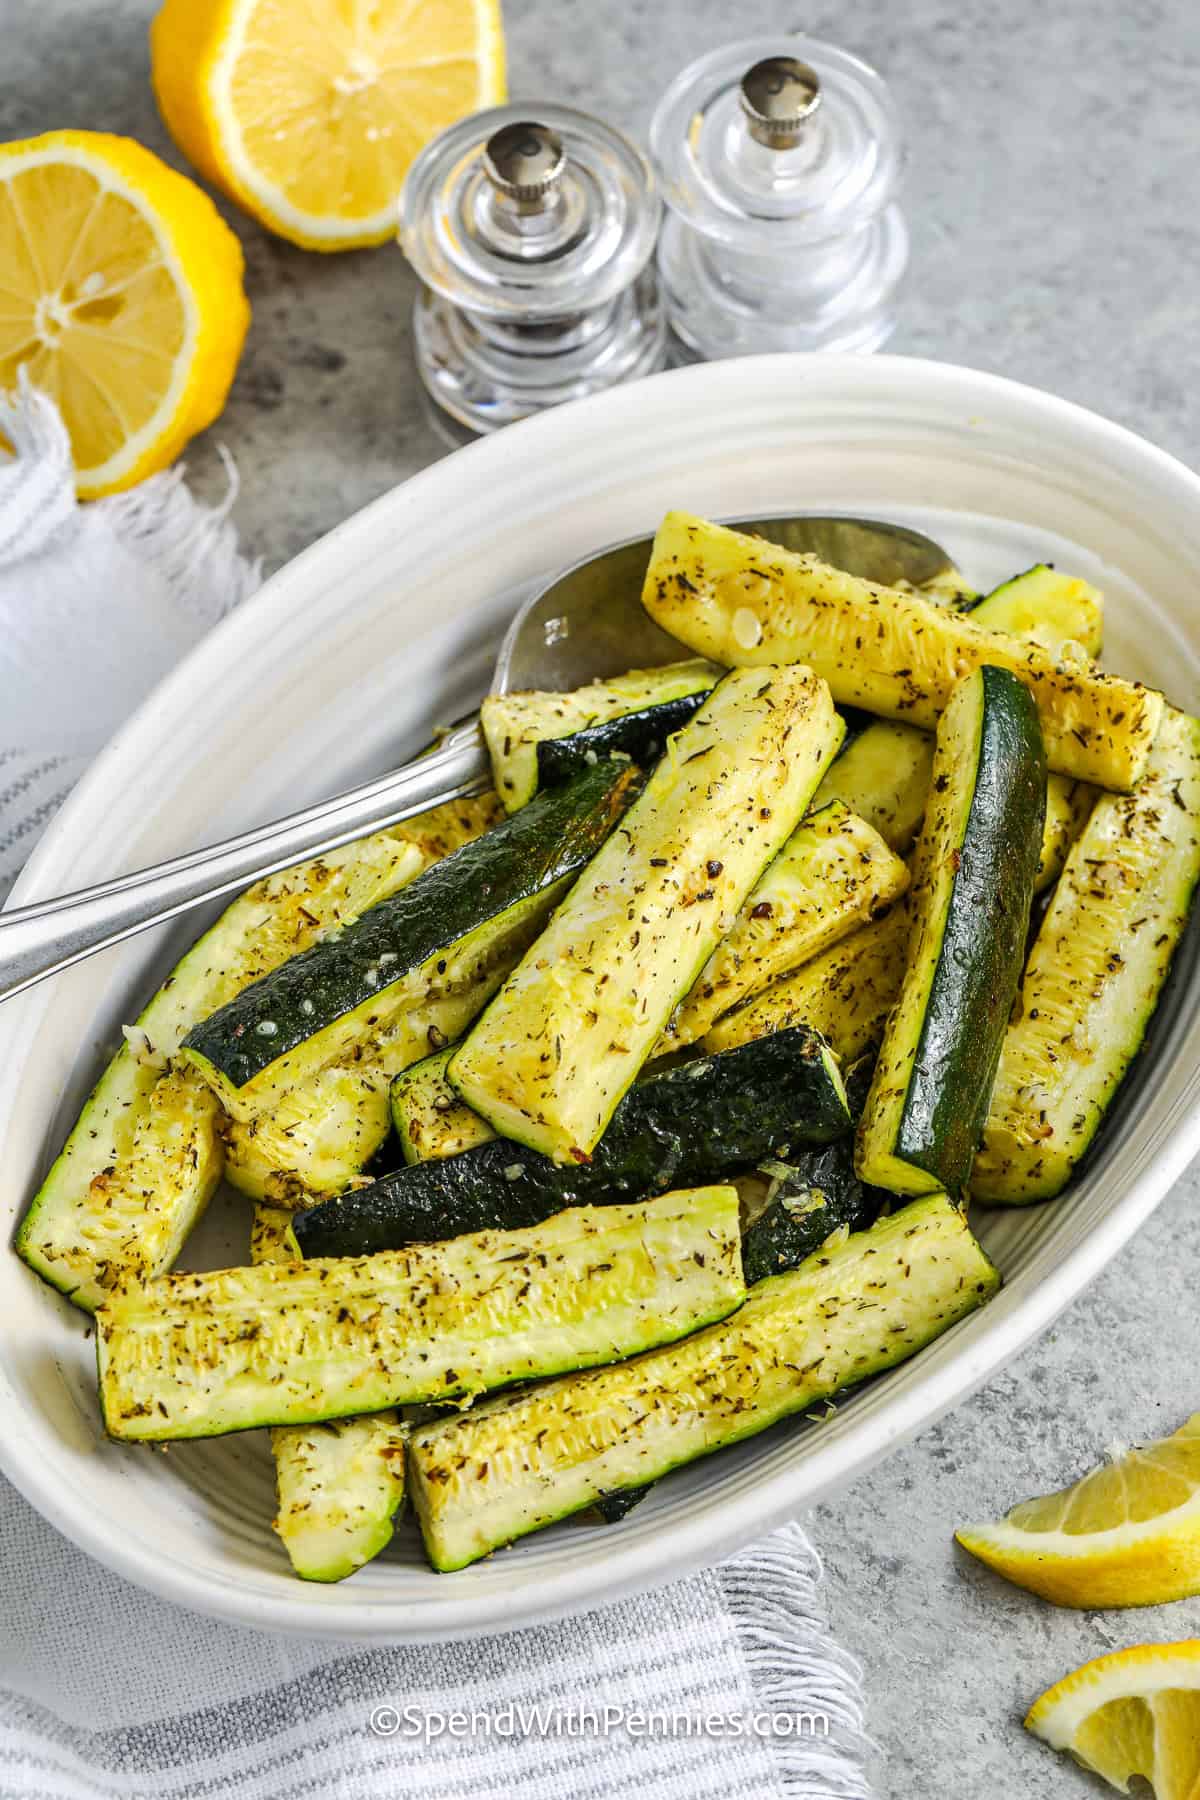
[[1055, 239]]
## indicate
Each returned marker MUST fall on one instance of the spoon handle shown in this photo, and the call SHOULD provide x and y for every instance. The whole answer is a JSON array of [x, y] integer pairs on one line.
[[40, 940]]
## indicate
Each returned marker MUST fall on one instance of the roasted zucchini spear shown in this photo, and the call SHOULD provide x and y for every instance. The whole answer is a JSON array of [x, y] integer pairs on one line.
[[146, 1153], [622, 714], [431, 1120], [976, 861], [746, 603], [1094, 975], [298, 1343], [812, 1193]]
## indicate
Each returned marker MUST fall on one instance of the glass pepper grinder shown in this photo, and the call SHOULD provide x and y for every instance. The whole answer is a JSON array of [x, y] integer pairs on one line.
[[779, 165], [532, 231]]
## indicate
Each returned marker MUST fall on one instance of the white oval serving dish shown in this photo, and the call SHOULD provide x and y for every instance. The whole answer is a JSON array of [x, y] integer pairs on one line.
[[342, 663]]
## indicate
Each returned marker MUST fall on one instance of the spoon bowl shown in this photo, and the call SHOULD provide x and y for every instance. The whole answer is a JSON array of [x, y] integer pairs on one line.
[[589, 623]]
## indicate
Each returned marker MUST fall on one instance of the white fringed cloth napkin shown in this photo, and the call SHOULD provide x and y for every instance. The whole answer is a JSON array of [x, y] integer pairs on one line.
[[96, 603], [725, 1686]]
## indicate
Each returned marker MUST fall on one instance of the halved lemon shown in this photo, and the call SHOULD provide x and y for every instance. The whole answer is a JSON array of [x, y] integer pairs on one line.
[[309, 112], [121, 296], [1128, 1534], [1136, 1712]]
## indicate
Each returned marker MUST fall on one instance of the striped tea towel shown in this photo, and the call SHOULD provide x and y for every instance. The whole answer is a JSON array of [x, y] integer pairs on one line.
[[726, 1684]]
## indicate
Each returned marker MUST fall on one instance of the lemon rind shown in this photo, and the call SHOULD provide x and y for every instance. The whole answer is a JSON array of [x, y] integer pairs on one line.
[[1057, 1715]]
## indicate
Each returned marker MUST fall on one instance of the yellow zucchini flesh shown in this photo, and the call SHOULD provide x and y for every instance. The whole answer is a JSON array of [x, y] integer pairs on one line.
[[340, 1485], [845, 993], [446, 828], [1094, 975], [298, 1343], [833, 874], [314, 1142], [512, 1465], [883, 773], [1068, 804], [746, 603], [567, 1033], [1062, 612], [431, 1120], [883, 777], [340, 1489]]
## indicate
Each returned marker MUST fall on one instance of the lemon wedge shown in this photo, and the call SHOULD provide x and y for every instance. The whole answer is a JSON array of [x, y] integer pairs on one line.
[[309, 115], [1134, 1713], [1128, 1534], [120, 296]]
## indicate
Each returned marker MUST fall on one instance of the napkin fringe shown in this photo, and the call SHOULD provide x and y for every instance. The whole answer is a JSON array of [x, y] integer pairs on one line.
[[165, 526], [191, 547], [772, 1592]]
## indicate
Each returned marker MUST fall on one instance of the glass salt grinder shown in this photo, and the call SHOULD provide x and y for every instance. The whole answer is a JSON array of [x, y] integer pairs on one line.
[[532, 230], [779, 163]]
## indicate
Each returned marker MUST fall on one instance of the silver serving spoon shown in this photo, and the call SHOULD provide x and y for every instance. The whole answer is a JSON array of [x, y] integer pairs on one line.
[[587, 624]]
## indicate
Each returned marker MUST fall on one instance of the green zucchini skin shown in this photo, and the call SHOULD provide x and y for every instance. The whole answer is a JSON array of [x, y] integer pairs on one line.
[[928, 1101], [820, 1194], [791, 1227], [532, 854], [641, 736], [616, 1506], [514, 724], [984, 940], [697, 1121]]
